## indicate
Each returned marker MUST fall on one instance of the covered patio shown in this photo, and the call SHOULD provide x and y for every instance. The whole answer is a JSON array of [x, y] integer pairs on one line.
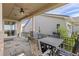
[[39, 29]]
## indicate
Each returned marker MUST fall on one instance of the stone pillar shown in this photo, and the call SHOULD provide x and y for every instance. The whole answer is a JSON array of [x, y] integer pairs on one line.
[[1, 33], [34, 46]]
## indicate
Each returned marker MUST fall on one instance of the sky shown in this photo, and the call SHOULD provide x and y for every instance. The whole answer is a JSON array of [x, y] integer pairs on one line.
[[71, 10]]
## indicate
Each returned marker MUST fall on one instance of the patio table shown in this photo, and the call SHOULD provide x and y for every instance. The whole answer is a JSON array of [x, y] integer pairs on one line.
[[52, 41]]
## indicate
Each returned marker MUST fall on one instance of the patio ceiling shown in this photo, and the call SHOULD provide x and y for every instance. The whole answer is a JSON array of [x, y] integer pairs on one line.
[[12, 10]]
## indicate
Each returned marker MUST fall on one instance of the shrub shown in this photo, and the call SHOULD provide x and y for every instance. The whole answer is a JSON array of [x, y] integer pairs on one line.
[[69, 41]]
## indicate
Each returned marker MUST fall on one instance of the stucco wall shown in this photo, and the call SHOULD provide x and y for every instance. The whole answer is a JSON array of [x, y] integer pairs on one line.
[[47, 24], [75, 28]]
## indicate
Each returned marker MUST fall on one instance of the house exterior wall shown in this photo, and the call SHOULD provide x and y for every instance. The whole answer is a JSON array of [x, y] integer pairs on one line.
[[47, 24], [75, 28]]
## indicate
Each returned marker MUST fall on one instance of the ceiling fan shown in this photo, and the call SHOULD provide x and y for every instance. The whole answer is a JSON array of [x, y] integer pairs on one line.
[[20, 11]]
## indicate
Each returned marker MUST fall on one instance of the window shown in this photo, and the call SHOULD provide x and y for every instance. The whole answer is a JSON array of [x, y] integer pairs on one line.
[[9, 28]]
